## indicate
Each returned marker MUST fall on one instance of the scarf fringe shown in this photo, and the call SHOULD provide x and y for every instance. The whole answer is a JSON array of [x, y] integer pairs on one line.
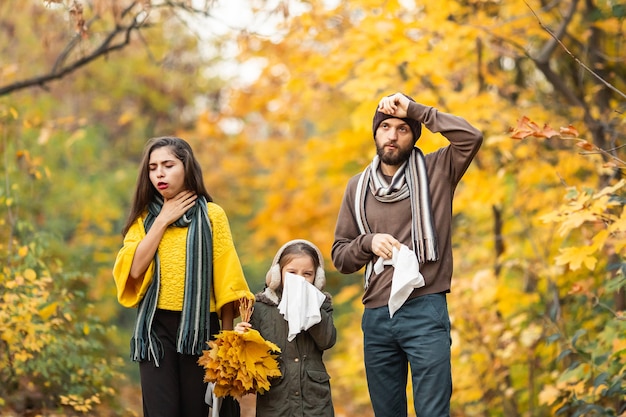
[[187, 345], [140, 349], [431, 249]]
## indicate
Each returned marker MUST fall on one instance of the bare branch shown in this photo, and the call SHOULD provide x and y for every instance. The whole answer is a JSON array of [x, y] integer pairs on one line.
[[550, 46], [112, 42], [59, 70], [608, 153], [58, 73], [75, 41], [547, 49]]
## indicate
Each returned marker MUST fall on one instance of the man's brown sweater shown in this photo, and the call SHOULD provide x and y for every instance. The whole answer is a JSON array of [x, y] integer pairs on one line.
[[352, 250]]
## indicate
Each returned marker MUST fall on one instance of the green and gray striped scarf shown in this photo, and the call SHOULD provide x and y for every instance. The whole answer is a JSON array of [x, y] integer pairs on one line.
[[193, 330]]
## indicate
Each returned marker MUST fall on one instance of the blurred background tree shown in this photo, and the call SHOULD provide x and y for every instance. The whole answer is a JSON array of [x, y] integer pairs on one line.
[[538, 295]]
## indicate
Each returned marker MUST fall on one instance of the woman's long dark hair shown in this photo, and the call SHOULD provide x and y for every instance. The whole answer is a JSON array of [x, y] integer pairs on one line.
[[145, 191]]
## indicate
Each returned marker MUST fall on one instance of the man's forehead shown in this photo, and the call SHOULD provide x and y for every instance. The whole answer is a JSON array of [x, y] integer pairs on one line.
[[394, 121]]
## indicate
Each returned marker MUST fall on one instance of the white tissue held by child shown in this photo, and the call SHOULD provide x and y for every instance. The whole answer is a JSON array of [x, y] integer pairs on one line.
[[300, 304]]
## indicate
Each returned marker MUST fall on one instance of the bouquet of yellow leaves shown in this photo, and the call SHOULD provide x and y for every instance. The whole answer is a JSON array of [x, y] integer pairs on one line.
[[240, 363]]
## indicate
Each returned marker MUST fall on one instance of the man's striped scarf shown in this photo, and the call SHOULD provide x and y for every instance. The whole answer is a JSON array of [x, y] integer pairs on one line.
[[411, 180], [193, 330]]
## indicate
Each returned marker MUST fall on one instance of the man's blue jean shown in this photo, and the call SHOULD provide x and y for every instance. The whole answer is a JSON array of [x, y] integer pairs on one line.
[[419, 335]]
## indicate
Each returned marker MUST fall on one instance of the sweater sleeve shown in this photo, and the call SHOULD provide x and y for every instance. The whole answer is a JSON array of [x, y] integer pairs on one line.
[[351, 250], [465, 139], [229, 283], [130, 291]]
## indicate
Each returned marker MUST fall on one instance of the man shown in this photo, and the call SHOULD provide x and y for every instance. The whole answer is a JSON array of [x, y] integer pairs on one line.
[[404, 198]]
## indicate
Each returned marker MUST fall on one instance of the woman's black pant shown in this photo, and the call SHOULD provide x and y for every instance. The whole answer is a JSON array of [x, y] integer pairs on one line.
[[175, 388]]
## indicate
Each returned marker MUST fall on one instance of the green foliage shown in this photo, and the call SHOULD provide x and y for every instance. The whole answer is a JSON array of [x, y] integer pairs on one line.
[[591, 362], [69, 155], [54, 348], [593, 368]]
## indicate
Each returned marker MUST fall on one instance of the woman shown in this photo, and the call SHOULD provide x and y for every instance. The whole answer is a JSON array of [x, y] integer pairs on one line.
[[179, 267]]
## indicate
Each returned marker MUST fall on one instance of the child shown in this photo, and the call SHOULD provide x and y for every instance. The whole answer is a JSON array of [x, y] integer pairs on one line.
[[179, 267], [304, 387]]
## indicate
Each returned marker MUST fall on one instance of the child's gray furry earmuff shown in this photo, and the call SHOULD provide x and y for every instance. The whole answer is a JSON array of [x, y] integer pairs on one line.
[[273, 277]]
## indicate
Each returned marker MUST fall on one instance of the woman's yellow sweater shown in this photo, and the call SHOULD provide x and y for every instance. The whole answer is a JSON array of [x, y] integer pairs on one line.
[[229, 283]]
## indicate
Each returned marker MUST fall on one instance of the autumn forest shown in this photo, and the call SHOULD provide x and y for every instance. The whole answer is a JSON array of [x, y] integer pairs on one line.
[[277, 97]]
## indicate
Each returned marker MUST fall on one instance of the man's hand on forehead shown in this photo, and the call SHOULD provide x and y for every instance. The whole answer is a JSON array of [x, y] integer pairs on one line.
[[394, 105]]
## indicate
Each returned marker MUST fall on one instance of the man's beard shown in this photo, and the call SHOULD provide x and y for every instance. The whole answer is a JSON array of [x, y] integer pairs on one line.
[[393, 158]]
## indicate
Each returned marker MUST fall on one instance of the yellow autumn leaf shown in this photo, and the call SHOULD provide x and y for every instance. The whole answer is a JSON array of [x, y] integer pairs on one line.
[[22, 355], [240, 363], [30, 275], [548, 395], [531, 335], [576, 257], [575, 219], [125, 118], [607, 191], [619, 347], [48, 311]]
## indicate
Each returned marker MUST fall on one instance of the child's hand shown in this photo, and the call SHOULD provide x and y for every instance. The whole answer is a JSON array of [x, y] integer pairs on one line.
[[242, 327]]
